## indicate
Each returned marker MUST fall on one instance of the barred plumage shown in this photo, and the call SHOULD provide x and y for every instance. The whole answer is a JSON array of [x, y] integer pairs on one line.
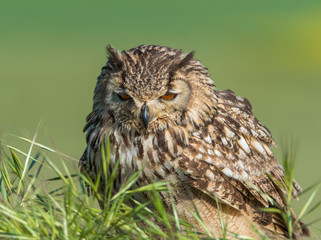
[[162, 114]]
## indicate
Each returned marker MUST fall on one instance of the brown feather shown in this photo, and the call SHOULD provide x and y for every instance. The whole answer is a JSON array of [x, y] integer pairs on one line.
[[206, 142]]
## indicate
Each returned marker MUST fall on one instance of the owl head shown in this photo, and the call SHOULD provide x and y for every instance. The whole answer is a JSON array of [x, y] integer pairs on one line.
[[151, 88]]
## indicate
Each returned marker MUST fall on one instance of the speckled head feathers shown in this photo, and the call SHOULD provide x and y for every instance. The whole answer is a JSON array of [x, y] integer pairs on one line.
[[150, 67]]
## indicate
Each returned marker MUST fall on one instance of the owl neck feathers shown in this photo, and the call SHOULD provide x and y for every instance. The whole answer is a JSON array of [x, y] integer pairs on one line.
[[202, 110], [202, 105]]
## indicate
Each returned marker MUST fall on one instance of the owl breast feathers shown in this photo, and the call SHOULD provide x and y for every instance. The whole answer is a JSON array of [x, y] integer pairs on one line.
[[162, 114]]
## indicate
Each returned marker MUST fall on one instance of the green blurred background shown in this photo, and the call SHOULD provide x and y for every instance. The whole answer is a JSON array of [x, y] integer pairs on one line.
[[268, 51]]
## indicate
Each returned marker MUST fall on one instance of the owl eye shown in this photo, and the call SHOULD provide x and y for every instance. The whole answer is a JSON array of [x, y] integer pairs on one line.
[[123, 96], [169, 96]]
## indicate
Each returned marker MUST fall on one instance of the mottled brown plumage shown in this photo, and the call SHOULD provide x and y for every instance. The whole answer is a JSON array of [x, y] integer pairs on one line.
[[163, 115]]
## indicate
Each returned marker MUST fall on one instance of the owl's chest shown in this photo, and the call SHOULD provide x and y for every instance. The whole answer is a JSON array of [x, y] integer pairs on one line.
[[154, 155]]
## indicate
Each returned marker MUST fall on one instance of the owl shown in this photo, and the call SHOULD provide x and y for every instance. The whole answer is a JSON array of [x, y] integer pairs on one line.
[[163, 115]]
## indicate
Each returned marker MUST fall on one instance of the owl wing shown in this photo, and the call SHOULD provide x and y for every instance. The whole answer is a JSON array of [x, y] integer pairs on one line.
[[230, 157]]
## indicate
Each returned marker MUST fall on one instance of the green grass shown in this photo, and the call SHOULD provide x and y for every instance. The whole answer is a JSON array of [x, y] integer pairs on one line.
[[42, 198]]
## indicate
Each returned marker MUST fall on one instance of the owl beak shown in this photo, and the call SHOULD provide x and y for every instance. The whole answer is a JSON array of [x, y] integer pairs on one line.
[[144, 115]]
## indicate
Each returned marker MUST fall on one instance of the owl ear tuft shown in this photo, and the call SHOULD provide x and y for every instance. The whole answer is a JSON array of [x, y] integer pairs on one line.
[[115, 58], [179, 62], [186, 59]]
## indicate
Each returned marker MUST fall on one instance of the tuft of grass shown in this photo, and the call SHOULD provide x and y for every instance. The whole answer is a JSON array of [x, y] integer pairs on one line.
[[42, 198]]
